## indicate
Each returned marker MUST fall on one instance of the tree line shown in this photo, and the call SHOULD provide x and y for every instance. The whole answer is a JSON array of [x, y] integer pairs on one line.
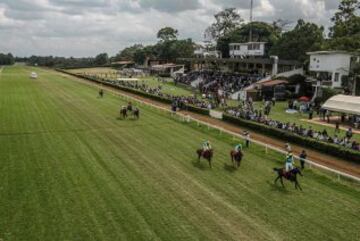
[[7, 59], [229, 27]]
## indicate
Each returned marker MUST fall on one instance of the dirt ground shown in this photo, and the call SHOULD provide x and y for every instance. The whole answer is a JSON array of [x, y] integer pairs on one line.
[[315, 156]]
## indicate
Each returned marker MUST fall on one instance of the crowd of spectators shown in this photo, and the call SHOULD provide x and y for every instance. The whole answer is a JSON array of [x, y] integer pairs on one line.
[[212, 81], [180, 101], [247, 111]]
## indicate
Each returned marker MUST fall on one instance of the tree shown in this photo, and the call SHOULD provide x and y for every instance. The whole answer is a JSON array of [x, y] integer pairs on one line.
[[296, 43], [7, 59], [167, 34], [142, 54], [345, 33], [129, 52], [102, 59], [262, 32], [346, 22], [226, 22]]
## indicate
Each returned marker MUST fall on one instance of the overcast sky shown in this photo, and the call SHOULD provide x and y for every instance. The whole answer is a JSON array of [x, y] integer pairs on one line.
[[87, 27]]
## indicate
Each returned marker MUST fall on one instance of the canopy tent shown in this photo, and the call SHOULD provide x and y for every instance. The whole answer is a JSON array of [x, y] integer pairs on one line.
[[343, 104]]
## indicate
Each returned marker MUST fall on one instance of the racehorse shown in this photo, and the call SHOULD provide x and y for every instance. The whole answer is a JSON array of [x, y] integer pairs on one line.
[[136, 113], [101, 93], [291, 176], [123, 113], [206, 155], [236, 158]]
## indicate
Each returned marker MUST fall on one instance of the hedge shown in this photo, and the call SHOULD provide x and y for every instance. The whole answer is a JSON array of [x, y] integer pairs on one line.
[[328, 148], [332, 149]]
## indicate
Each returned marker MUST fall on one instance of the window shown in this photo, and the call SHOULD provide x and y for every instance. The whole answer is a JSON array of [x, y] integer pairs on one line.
[[337, 77], [254, 46]]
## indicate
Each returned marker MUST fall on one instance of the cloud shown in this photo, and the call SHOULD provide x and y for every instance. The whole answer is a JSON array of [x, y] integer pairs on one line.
[[87, 27], [170, 6]]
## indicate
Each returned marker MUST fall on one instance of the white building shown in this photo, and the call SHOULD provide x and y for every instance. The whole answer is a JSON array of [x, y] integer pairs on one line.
[[204, 52], [250, 49], [330, 67]]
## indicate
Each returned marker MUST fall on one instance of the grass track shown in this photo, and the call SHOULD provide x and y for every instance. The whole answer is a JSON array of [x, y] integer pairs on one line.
[[70, 170]]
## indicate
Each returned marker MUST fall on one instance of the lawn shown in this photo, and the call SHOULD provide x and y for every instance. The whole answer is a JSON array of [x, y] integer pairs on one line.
[[71, 170], [168, 87], [278, 113]]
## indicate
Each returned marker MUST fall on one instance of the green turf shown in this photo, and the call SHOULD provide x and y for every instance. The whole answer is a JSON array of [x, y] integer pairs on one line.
[[279, 113], [168, 87], [70, 170]]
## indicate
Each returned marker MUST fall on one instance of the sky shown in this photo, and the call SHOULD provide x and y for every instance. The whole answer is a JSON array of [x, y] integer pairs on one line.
[[83, 28]]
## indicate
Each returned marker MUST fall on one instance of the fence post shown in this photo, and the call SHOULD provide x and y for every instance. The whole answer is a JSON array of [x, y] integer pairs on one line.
[[266, 149]]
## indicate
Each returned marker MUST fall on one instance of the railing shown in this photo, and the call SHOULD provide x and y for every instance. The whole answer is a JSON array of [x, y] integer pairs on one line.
[[188, 118]]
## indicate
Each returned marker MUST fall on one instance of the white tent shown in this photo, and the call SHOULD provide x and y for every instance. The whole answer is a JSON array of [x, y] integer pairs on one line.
[[343, 104]]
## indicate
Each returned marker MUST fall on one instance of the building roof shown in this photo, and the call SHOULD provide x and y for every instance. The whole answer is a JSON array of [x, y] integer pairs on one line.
[[274, 83], [343, 104], [331, 52], [249, 43]]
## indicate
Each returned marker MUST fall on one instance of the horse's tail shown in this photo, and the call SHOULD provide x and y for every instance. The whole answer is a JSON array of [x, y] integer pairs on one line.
[[276, 169]]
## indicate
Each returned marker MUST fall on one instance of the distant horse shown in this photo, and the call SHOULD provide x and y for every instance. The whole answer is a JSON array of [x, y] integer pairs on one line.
[[291, 176], [101, 93], [236, 158], [123, 113], [206, 155], [136, 113]]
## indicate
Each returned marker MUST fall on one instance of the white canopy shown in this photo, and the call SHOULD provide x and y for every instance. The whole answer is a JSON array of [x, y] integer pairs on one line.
[[343, 104]]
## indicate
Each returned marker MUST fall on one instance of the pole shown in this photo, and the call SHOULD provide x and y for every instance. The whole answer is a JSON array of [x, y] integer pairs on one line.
[[251, 20]]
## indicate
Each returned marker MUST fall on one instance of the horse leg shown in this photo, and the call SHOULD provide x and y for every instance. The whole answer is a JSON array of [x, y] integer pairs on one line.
[[276, 179], [297, 184], [210, 163], [282, 182]]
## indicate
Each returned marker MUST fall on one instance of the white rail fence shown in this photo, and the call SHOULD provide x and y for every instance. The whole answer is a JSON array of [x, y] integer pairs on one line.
[[187, 118]]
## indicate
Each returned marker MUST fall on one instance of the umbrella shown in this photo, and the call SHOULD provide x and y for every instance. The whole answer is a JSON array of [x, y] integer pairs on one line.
[[304, 99]]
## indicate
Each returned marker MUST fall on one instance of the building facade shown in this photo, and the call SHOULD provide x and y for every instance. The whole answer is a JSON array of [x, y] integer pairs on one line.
[[331, 68], [250, 49]]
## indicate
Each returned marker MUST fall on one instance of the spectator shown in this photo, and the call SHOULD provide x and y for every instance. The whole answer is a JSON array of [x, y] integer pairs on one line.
[[247, 139], [303, 157]]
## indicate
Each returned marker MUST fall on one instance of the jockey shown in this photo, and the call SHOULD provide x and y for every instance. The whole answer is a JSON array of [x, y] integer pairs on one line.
[[206, 146], [129, 106], [238, 148], [289, 161]]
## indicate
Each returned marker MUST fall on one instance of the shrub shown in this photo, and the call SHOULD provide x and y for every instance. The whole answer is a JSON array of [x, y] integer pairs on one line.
[[328, 148]]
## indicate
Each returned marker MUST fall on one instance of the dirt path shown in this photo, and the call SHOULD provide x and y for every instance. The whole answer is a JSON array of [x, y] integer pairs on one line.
[[315, 156]]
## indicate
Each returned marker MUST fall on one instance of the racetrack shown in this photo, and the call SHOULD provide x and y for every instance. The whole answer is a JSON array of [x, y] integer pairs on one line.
[[72, 171]]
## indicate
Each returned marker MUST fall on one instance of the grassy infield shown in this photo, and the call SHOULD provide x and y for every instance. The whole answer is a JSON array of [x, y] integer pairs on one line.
[[70, 170]]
